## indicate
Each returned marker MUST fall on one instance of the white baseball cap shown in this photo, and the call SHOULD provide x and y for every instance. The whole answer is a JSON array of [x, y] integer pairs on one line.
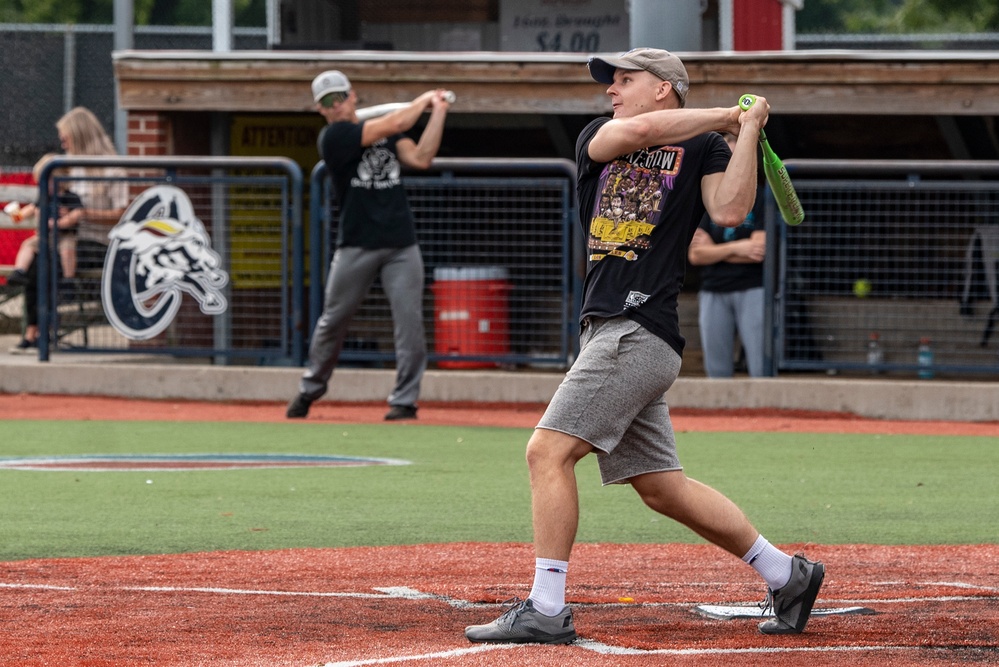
[[330, 81]]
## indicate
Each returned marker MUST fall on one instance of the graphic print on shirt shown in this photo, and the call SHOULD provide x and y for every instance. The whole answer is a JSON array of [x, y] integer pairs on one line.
[[378, 169], [729, 233], [633, 190]]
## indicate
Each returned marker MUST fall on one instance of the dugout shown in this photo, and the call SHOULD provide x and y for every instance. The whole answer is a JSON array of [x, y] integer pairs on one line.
[[827, 104], [856, 105], [886, 105]]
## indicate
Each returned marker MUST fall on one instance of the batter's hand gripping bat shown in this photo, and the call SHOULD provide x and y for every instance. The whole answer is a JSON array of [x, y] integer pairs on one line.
[[776, 174], [381, 109]]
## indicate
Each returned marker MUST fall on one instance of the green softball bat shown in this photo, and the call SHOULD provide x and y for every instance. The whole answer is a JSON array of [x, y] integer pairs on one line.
[[776, 175]]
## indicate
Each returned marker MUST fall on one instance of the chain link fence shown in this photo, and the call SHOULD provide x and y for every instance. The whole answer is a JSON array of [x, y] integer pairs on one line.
[[205, 257], [189, 257], [892, 273], [497, 244], [46, 70]]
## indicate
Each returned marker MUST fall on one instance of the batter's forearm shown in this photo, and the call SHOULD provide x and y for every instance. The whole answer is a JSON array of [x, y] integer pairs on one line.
[[430, 140], [622, 136]]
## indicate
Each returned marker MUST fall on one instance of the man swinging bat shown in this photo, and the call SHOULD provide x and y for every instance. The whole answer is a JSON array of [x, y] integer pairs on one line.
[[611, 401], [376, 236]]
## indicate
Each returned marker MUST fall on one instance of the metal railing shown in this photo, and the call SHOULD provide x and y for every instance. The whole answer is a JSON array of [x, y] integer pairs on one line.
[[503, 270], [64, 66], [206, 259], [901, 254]]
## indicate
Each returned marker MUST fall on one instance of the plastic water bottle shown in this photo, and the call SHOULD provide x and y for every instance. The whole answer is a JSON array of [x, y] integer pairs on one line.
[[875, 353], [924, 358]]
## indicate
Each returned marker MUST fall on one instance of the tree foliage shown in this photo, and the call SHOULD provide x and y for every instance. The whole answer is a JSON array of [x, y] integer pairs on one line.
[[898, 16], [147, 12]]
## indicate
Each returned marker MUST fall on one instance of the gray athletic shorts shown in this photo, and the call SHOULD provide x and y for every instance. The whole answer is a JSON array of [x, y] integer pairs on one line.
[[613, 398]]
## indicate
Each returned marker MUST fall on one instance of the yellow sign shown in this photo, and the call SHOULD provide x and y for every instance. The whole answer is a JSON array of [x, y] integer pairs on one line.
[[255, 212], [277, 136]]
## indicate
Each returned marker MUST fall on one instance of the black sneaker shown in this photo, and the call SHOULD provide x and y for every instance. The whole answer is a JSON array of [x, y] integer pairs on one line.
[[401, 412], [299, 407], [523, 624], [793, 603], [24, 347], [17, 278]]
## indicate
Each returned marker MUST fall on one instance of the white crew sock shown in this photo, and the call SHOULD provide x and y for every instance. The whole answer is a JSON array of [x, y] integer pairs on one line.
[[773, 564], [548, 592]]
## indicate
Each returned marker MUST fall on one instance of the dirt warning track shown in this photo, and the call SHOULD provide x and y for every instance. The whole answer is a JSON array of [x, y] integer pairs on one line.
[[32, 406]]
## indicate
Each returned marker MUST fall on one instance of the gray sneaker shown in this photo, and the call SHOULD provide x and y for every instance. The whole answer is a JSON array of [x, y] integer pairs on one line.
[[793, 603], [523, 624]]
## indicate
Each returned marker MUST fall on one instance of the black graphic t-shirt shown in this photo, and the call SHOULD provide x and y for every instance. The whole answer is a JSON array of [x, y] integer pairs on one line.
[[731, 276], [638, 214], [374, 211]]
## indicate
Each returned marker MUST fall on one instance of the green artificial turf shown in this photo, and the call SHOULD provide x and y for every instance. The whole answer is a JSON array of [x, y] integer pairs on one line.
[[469, 484]]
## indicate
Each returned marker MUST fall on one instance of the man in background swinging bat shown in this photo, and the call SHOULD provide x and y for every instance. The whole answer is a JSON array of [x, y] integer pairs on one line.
[[376, 237]]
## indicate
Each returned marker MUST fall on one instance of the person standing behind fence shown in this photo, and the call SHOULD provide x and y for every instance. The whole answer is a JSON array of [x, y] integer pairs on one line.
[[102, 201], [376, 236], [730, 299], [612, 401]]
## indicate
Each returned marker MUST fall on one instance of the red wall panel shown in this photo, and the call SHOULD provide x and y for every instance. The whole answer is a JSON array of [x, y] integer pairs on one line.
[[756, 25]]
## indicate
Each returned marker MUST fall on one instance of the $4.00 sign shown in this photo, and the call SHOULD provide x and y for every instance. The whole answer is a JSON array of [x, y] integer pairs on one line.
[[580, 26]]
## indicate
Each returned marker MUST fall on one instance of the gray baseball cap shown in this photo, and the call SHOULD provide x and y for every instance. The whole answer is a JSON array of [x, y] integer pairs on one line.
[[330, 81], [663, 64]]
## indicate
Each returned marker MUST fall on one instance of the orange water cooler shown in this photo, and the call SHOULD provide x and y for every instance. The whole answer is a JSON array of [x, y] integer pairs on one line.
[[471, 314]]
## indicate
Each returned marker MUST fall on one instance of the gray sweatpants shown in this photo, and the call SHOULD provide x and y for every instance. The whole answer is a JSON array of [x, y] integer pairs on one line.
[[720, 316], [352, 273]]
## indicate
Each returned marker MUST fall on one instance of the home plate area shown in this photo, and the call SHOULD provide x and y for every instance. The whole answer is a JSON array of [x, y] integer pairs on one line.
[[634, 605], [728, 613]]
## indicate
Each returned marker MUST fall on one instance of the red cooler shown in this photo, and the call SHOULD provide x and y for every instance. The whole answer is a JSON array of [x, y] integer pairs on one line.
[[471, 314], [20, 187]]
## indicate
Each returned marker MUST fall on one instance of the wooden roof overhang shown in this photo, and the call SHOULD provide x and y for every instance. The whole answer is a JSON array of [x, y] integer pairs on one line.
[[798, 82]]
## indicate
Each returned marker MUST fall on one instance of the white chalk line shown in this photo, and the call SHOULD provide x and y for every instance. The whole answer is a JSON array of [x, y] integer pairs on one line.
[[454, 653], [606, 649], [947, 584], [959, 584], [407, 593], [241, 591], [44, 587]]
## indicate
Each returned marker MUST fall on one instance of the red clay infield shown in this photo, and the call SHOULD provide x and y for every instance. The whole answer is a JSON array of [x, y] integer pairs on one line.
[[408, 605]]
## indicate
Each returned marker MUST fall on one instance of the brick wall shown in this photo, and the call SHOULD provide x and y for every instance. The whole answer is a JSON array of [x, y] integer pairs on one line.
[[149, 133]]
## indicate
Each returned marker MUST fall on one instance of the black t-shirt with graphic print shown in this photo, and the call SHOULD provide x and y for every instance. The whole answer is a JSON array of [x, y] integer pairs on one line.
[[374, 211], [638, 214], [733, 276]]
